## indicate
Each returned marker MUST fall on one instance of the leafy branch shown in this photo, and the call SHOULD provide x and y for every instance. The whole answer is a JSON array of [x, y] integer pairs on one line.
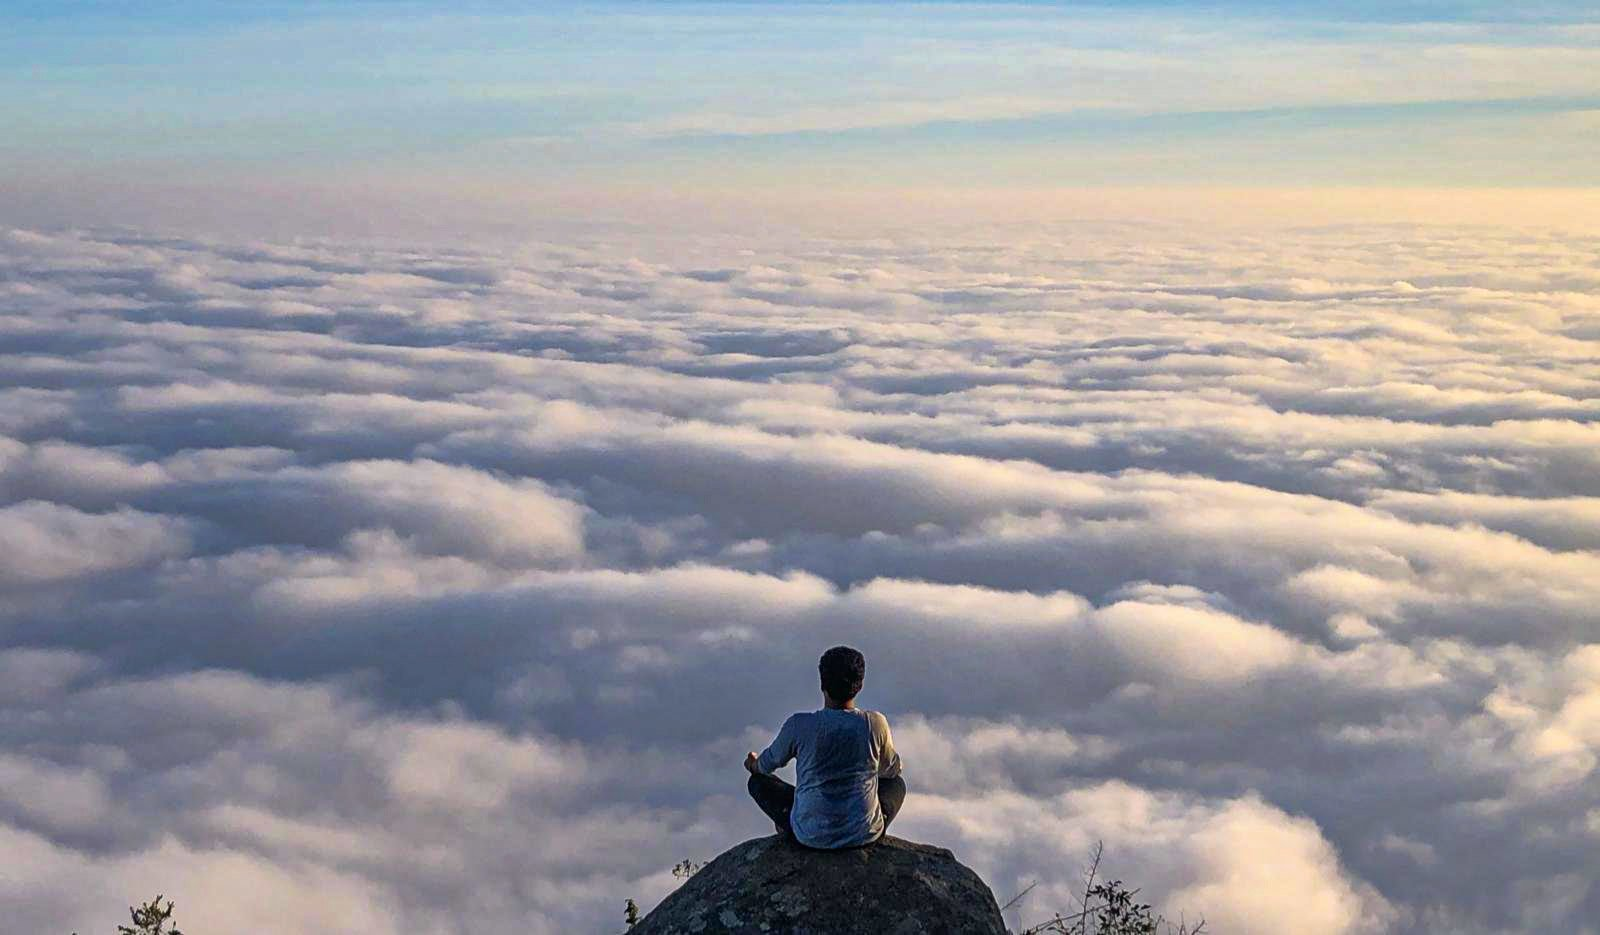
[[1108, 907]]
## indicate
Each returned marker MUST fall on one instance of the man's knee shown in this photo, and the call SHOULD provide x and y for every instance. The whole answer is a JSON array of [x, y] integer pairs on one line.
[[765, 787]]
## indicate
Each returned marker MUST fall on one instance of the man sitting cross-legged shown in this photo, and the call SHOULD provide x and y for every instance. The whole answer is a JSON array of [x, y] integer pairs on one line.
[[848, 786]]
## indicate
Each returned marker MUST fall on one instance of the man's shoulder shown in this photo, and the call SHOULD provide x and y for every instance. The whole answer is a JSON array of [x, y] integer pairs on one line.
[[877, 723]]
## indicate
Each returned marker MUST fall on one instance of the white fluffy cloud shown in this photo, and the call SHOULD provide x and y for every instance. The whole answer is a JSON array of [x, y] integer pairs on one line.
[[48, 542], [379, 589]]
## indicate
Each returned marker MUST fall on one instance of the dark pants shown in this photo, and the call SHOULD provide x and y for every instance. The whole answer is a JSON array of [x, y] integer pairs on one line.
[[776, 798]]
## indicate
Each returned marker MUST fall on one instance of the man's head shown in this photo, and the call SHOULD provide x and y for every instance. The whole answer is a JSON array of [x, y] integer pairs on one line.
[[842, 670]]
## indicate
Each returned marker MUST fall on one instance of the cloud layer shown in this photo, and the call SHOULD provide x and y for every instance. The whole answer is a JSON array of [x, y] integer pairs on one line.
[[431, 590]]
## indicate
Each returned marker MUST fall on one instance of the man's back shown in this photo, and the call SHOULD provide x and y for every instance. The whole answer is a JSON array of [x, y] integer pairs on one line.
[[840, 754]]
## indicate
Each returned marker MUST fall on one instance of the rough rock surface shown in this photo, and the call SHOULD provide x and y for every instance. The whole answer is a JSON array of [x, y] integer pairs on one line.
[[894, 887]]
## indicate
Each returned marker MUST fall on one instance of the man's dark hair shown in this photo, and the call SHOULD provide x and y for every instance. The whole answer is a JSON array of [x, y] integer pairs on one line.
[[843, 670]]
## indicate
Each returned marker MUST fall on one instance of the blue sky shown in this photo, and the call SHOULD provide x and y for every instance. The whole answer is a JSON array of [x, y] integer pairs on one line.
[[740, 96]]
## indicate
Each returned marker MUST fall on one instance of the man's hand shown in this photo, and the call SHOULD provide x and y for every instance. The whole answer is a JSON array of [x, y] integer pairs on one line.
[[750, 761]]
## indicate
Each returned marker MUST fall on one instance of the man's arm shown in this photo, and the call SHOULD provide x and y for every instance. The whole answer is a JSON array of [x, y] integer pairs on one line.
[[888, 757], [779, 752]]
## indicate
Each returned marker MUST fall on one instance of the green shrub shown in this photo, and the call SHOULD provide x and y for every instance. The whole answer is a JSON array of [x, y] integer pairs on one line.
[[1108, 907], [150, 919]]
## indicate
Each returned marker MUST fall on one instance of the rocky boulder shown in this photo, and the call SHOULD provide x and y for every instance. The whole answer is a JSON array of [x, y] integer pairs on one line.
[[893, 887]]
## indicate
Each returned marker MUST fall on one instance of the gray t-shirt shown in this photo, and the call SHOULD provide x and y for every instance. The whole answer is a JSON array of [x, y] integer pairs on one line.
[[839, 756]]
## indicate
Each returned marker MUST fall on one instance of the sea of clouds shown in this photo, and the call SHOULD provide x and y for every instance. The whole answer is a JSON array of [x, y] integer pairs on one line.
[[367, 588]]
